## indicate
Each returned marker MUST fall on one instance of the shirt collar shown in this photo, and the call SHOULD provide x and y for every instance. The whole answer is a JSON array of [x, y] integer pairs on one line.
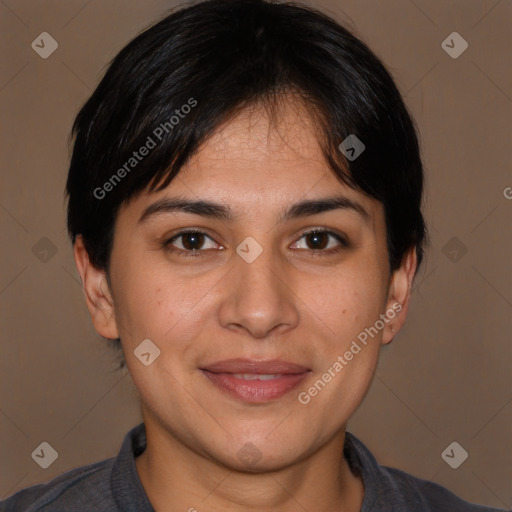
[[126, 486]]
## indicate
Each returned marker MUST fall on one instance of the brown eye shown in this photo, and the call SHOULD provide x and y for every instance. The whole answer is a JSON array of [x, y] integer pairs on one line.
[[318, 240], [192, 243]]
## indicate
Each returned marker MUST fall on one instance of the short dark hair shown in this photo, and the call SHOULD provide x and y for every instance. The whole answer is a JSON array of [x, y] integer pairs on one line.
[[217, 57]]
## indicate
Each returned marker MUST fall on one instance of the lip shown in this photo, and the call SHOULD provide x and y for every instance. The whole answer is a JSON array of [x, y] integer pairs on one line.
[[221, 374]]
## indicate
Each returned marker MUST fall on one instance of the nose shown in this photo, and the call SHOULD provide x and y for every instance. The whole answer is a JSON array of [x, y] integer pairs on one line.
[[258, 297]]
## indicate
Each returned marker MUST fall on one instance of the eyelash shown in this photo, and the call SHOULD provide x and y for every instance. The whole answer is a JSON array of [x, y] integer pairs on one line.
[[199, 252]]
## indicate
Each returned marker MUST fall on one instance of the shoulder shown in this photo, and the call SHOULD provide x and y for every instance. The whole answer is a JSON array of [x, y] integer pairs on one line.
[[432, 496], [86, 486], [392, 490]]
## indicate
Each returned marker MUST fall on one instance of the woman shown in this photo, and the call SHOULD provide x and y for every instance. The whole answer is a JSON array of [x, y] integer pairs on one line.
[[244, 205]]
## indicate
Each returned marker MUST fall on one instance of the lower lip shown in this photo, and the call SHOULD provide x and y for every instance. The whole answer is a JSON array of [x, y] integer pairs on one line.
[[255, 391]]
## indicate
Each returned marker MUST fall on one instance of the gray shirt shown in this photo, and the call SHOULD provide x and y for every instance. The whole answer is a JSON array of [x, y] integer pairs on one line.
[[113, 485]]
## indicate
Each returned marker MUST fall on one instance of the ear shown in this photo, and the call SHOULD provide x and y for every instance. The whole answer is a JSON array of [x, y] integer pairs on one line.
[[399, 295], [97, 293]]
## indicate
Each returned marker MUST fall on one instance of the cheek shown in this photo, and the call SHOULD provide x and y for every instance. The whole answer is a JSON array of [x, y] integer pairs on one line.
[[348, 301], [144, 304], [348, 356], [157, 303]]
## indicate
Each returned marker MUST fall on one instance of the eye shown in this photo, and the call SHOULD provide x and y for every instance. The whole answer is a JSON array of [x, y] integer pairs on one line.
[[319, 239], [191, 244]]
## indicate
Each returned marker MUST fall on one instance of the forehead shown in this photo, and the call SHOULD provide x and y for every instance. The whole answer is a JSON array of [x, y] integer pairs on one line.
[[261, 153], [256, 163], [287, 132]]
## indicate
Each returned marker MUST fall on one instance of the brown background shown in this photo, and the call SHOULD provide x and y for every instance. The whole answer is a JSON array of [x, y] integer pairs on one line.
[[445, 378]]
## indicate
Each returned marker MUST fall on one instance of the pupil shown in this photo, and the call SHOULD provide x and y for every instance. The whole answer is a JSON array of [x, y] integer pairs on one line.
[[316, 236], [196, 240]]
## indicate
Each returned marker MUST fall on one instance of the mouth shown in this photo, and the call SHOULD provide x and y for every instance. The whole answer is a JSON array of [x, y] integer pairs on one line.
[[255, 381]]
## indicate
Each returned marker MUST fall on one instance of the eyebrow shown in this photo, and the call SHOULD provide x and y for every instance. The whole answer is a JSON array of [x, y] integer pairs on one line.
[[219, 211]]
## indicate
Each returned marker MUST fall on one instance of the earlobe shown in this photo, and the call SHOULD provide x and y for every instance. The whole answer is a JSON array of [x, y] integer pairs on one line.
[[399, 295], [96, 291]]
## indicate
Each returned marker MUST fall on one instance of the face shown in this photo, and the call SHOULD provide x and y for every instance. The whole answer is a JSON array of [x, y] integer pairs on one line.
[[290, 296]]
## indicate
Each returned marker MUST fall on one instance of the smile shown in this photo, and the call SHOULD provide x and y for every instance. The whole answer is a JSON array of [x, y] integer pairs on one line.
[[255, 388]]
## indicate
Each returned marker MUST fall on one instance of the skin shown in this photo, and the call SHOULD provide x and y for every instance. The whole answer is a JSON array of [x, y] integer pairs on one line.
[[288, 304]]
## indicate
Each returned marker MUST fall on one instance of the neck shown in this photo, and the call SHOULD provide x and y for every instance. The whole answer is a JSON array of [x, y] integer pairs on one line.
[[178, 478]]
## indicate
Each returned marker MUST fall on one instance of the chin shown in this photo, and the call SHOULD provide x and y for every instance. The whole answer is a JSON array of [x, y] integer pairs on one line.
[[258, 454], [251, 460]]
